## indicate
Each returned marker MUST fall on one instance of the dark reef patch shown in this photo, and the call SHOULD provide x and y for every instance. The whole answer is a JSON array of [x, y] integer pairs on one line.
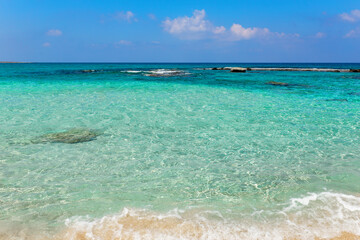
[[75, 135]]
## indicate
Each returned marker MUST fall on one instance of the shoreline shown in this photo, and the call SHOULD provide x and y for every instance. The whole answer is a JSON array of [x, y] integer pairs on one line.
[[315, 216], [138, 224]]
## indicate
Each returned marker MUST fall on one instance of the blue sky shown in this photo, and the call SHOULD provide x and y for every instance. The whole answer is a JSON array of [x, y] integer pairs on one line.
[[180, 31]]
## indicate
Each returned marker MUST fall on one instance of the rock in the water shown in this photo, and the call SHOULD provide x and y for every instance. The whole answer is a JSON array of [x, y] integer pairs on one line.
[[277, 83], [237, 69], [336, 100], [232, 69], [76, 135], [354, 70]]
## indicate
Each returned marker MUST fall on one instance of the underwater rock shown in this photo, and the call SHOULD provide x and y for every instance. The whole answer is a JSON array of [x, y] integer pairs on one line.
[[277, 83], [285, 69], [354, 93], [237, 69], [336, 100], [232, 69], [302, 69], [76, 135]]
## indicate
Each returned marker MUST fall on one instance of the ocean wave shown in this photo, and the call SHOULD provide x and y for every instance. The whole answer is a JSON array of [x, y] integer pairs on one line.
[[133, 71], [324, 215], [157, 72], [145, 72], [165, 73]]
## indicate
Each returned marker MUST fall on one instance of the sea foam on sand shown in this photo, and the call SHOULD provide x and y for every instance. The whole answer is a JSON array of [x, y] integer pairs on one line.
[[325, 215]]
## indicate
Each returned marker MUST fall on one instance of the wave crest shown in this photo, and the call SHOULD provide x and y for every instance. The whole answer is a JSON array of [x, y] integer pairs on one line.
[[324, 215], [165, 73]]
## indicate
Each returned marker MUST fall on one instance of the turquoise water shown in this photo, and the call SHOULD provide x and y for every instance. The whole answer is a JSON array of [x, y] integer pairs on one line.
[[226, 151]]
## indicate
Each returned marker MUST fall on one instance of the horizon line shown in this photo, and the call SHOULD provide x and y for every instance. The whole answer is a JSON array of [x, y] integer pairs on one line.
[[19, 62]]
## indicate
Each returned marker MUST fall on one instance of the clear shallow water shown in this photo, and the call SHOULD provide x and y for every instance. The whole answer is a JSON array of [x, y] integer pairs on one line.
[[224, 153]]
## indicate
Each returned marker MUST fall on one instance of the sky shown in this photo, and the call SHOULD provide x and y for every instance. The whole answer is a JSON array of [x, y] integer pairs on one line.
[[180, 31]]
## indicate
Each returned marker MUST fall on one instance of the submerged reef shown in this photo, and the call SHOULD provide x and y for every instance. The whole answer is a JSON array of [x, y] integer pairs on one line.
[[336, 100], [278, 83], [240, 69], [75, 135]]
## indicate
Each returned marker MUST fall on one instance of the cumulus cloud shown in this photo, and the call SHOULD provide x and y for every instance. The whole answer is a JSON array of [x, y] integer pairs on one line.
[[193, 24], [353, 16], [353, 33], [197, 27], [54, 32], [219, 30], [125, 16], [238, 32], [247, 33]]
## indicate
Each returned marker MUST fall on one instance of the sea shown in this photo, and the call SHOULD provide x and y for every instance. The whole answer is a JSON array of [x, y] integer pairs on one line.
[[179, 151]]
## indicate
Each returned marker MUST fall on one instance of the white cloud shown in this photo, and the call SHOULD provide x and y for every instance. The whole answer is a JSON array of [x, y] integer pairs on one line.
[[219, 30], [125, 16], [194, 27], [353, 16], [238, 32], [195, 23], [320, 35], [198, 27], [247, 33], [124, 42], [54, 32], [46, 44], [353, 33]]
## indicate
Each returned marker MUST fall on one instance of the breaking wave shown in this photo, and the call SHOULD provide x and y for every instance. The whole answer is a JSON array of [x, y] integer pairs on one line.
[[165, 73], [326, 215]]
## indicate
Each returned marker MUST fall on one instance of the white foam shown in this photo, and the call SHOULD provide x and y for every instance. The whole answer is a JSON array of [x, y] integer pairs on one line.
[[132, 71], [166, 72], [348, 202], [323, 215]]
